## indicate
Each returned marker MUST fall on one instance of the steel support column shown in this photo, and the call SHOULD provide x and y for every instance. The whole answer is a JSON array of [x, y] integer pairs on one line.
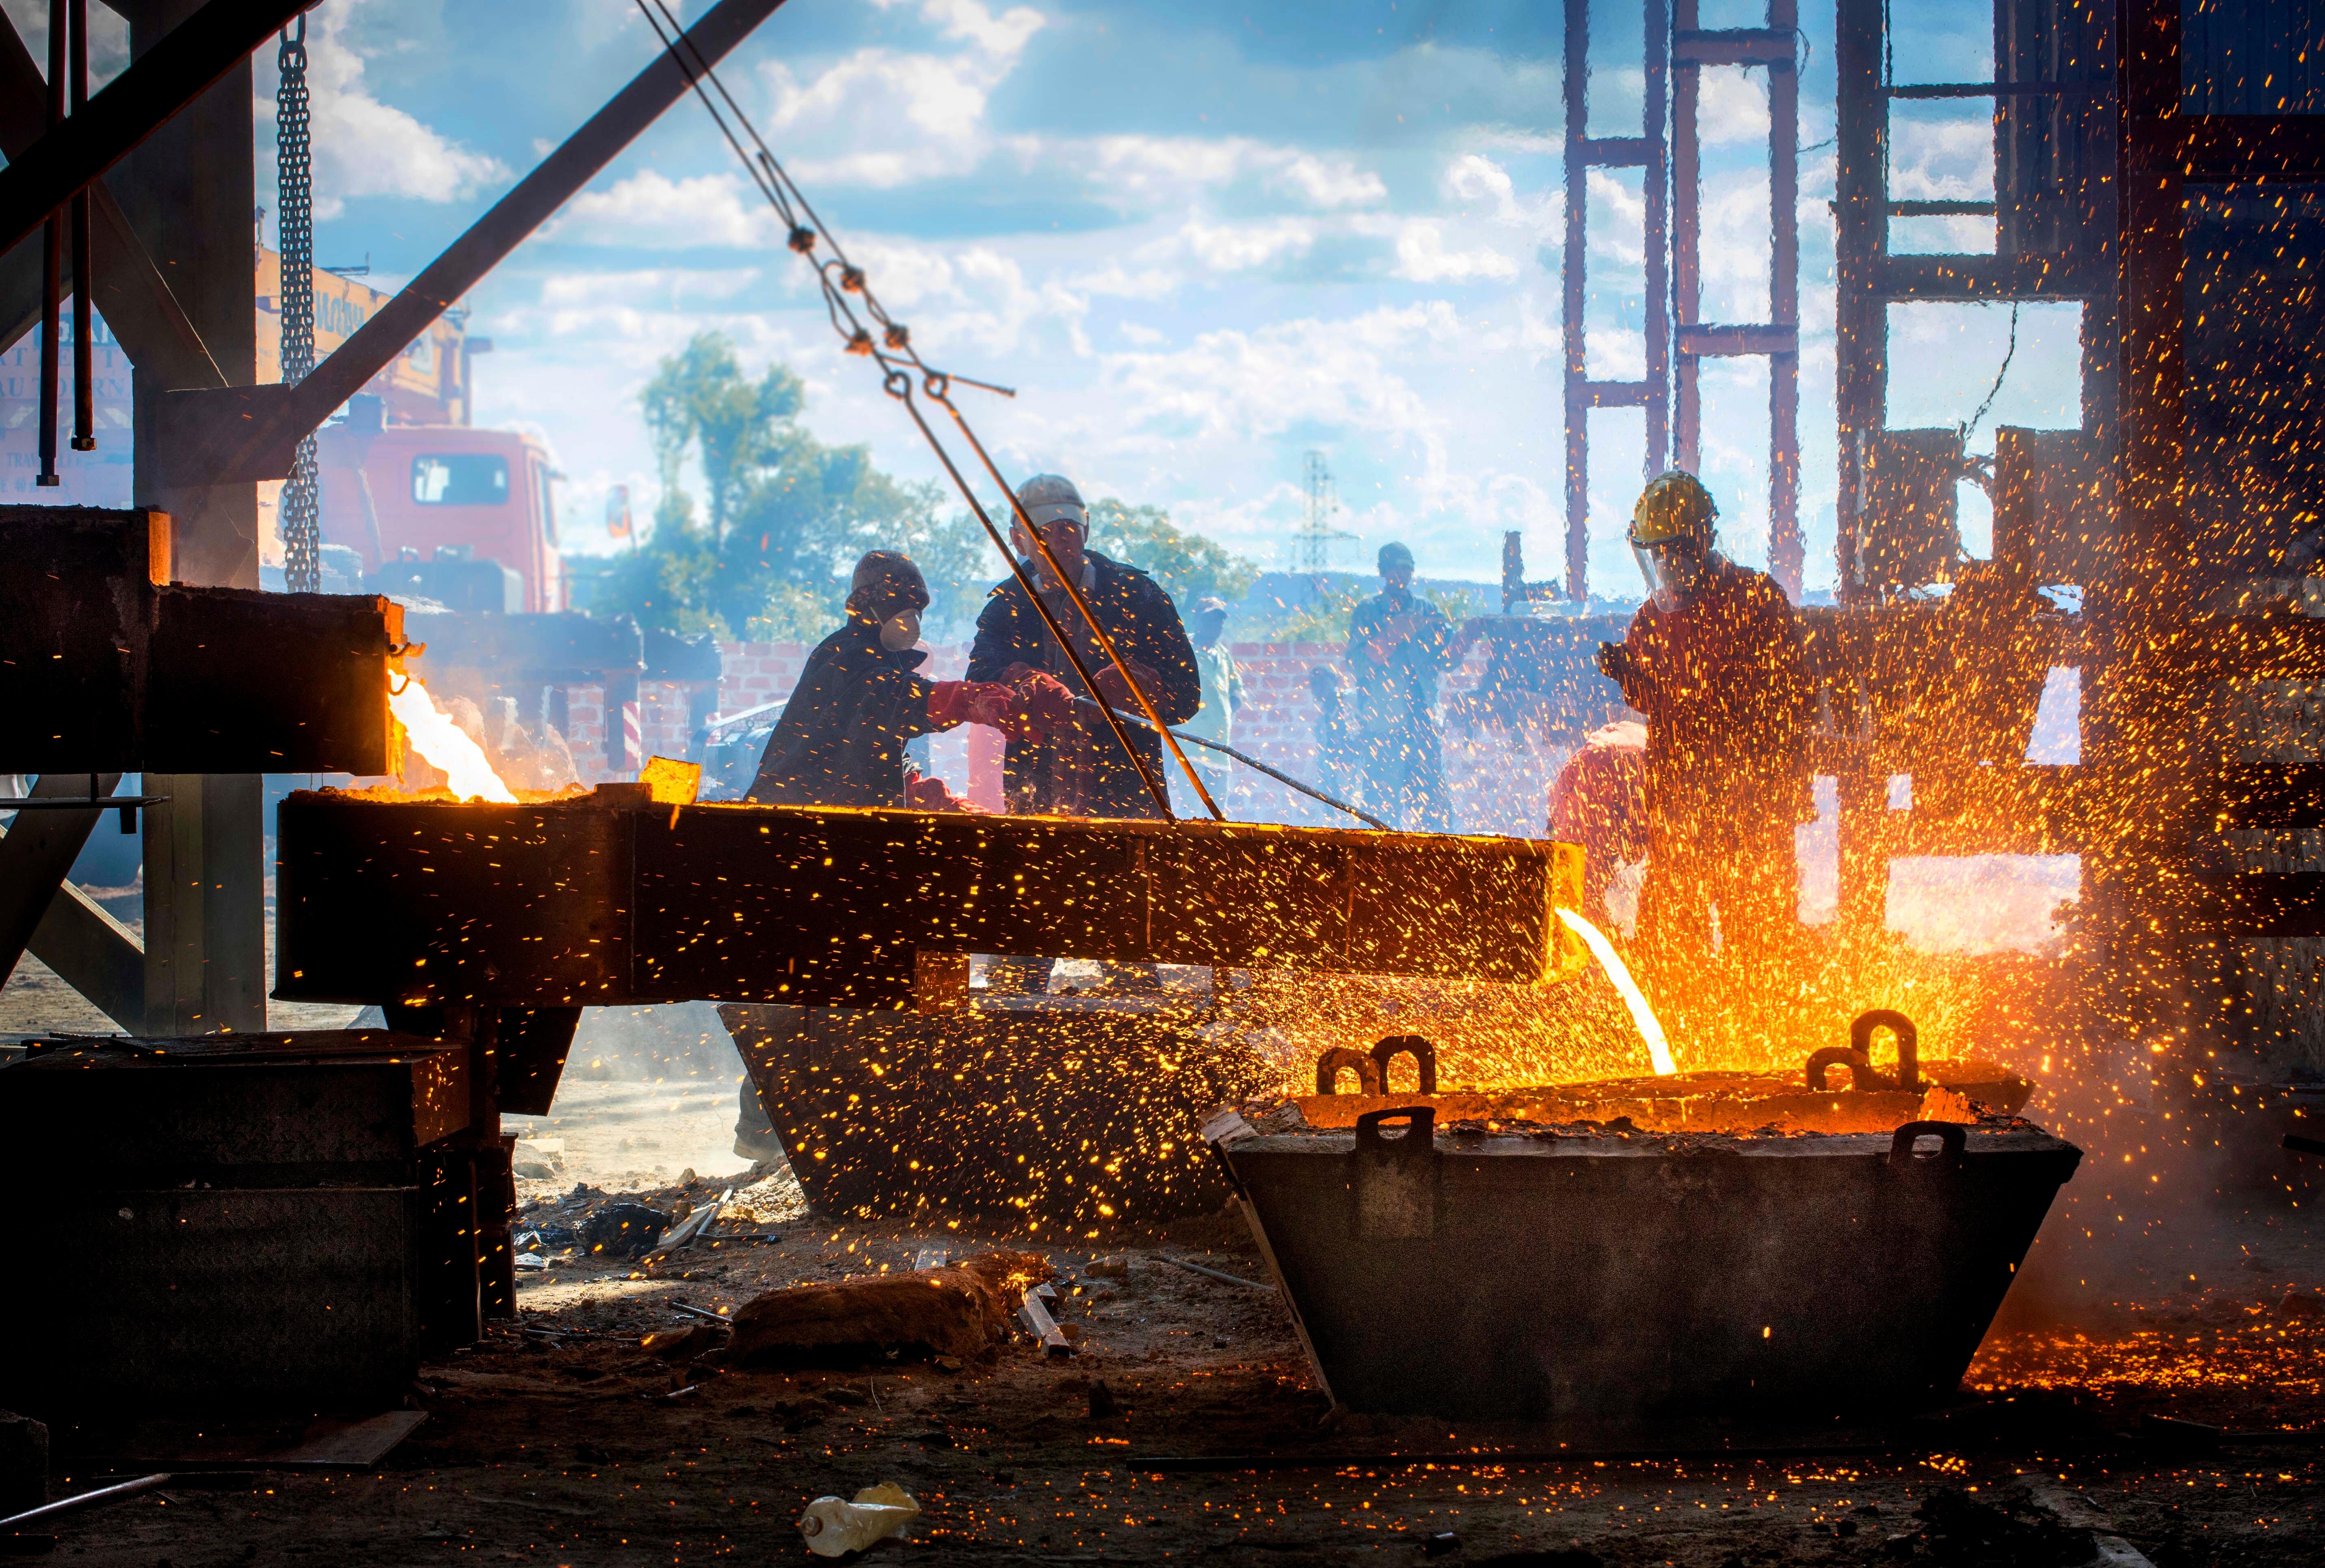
[[2141, 850], [1774, 46], [182, 60], [1646, 152], [191, 185]]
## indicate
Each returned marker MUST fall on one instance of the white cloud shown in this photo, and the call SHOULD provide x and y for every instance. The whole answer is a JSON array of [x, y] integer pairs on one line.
[[1618, 218], [1478, 181], [363, 147], [885, 117], [1239, 247], [1614, 354], [679, 286], [650, 211], [1324, 181], [1734, 107], [1422, 258], [1332, 374]]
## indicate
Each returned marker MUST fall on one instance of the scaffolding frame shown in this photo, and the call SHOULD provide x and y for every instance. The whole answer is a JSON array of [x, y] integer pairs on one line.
[[1678, 340], [1649, 151]]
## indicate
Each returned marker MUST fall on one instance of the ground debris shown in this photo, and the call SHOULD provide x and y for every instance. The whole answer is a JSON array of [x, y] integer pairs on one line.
[[959, 1310], [2005, 1528]]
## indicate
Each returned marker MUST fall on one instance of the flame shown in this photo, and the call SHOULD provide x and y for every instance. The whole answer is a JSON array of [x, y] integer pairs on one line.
[[444, 745], [1649, 1030]]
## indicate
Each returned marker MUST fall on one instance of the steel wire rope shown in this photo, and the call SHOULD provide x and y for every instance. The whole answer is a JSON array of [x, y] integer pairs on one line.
[[897, 382]]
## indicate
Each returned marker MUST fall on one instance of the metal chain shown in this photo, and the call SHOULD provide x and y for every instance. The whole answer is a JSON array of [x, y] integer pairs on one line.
[[301, 523]]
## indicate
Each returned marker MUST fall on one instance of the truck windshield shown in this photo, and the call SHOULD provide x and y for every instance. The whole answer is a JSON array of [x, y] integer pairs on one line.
[[459, 479]]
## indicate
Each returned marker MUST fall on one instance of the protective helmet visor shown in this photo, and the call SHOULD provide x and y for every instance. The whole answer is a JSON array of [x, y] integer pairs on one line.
[[1673, 569]]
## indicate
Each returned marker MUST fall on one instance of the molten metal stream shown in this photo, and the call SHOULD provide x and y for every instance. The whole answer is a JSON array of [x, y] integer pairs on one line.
[[1649, 1030], [445, 745]]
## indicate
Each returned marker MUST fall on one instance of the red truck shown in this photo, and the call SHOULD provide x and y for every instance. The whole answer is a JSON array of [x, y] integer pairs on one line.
[[405, 492]]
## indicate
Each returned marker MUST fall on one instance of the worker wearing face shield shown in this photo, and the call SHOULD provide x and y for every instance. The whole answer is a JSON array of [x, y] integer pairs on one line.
[[1714, 661], [840, 741]]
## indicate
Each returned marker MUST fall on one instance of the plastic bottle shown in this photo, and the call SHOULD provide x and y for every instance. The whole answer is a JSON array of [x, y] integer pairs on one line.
[[832, 1527]]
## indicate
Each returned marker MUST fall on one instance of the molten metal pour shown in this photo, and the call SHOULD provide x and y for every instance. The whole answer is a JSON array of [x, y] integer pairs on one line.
[[1651, 1030], [444, 745]]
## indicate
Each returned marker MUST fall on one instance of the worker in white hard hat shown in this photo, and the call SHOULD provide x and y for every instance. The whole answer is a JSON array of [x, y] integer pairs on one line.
[[1714, 661]]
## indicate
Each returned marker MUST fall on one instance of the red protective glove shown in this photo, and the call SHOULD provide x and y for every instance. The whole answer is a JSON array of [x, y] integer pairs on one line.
[[1043, 704], [929, 795], [986, 702], [1116, 693], [1027, 710]]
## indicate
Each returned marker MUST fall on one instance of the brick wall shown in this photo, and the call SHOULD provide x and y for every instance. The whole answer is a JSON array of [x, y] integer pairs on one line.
[[1498, 784]]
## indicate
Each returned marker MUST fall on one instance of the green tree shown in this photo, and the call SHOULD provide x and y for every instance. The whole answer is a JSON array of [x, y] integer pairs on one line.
[[1188, 565], [786, 515], [700, 403]]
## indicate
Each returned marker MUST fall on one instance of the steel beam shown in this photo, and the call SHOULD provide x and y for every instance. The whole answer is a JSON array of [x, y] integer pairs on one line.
[[94, 954], [131, 293], [160, 83], [1647, 151], [38, 854], [257, 427]]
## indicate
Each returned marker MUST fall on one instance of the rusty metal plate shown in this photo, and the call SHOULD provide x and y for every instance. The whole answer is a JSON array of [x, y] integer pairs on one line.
[[429, 904], [591, 902], [245, 682], [76, 639]]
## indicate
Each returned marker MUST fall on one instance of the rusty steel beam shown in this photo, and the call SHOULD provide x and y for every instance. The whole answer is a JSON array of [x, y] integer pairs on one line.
[[131, 293], [37, 855], [610, 898], [256, 428], [158, 85]]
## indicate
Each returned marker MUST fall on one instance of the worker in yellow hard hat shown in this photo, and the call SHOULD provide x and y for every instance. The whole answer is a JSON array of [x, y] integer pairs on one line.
[[1714, 661]]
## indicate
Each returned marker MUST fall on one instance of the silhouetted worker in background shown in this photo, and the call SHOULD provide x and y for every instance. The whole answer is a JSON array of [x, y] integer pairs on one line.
[[1714, 661], [1223, 695], [1399, 644], [1340, 752], [840, 741], [1078, 769]]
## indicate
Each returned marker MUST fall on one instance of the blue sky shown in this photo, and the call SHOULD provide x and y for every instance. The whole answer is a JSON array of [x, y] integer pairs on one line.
[[1202, 238]]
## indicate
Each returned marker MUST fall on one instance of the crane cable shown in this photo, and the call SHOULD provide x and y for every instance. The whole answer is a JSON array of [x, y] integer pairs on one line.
[[894, 352]]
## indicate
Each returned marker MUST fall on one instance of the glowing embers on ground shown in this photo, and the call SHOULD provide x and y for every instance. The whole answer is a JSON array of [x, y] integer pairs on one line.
[[443, 745], [1642, 1015]]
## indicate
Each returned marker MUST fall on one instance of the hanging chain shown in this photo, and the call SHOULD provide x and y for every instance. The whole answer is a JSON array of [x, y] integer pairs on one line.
[[294, 229]]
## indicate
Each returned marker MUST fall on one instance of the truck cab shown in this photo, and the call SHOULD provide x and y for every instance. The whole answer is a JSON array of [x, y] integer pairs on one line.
[[396, 493]]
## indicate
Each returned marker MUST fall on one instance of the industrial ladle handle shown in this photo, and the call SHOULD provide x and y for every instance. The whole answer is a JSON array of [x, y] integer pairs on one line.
[[1329, 1065], [1420, 1123], [1423, 1054], [1861, 1075], [1909, 1042], [1953, 1140]]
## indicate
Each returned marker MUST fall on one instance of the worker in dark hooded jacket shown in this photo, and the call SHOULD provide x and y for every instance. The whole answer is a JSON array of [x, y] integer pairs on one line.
[[1079, 768], [1714, 660], [840, 741]]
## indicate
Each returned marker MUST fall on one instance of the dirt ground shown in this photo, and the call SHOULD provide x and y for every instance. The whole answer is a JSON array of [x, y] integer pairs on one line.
[[559, 1441]]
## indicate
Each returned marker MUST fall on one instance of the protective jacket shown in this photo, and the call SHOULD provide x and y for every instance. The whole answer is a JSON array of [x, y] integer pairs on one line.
[[1080, 769], [840, 741], [1724, 686]]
